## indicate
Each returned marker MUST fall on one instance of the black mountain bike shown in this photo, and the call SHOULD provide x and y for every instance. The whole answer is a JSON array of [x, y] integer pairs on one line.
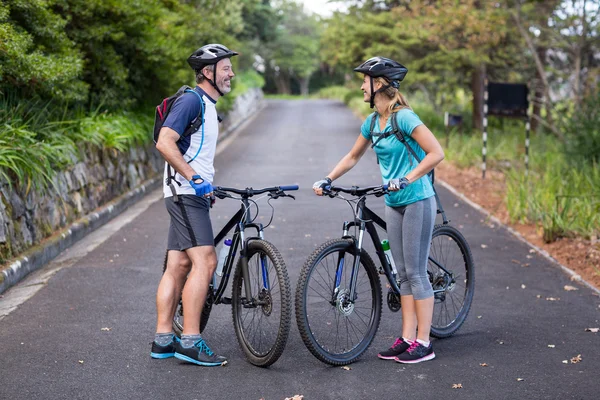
[[261, 294], [339, 296]]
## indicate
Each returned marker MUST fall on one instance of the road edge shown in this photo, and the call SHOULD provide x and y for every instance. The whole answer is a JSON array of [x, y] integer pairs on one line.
[[572, 274]]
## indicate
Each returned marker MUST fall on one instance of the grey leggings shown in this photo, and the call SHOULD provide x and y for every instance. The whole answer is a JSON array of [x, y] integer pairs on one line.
[[409, 230]]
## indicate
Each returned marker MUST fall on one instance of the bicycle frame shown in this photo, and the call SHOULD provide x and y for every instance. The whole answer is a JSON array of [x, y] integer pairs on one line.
[[366, 219], [241, 221]]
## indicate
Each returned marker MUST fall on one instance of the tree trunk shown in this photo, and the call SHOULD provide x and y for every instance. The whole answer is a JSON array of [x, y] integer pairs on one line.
[[304, 85], [477, 87], [538, 93], [282, 82]]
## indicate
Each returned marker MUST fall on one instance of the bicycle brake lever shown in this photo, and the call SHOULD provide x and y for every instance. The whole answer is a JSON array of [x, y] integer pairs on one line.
[[220, 194]]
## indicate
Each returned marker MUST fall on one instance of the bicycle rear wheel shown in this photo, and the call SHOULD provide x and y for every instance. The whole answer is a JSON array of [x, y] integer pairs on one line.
[[454, 289], [262, 322], [336, 329]]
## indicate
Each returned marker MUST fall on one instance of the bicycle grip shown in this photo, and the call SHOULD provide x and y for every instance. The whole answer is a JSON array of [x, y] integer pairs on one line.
[[289, 187], [385, 187]]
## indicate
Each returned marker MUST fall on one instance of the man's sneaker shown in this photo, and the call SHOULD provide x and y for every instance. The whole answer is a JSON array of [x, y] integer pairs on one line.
[[166, 351], [199, 354], [399, 347], [416, 353]]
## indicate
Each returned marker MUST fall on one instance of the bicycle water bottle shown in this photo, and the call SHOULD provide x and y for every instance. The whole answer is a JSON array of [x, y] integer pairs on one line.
[[223, 256], [388, 253]]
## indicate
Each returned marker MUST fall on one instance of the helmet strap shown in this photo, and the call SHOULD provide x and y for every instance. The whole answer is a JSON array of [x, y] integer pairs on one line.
[[212, 81], [373, 93]]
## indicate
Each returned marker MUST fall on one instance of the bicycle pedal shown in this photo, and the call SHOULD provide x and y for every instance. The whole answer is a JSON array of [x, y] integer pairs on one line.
[[225, 300]]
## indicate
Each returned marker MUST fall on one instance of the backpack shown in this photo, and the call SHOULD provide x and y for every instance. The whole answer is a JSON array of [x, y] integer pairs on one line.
[[162, 111], [400, 136]]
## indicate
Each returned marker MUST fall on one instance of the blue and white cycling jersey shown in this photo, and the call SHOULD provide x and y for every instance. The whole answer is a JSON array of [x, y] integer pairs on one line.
[[199, 148]]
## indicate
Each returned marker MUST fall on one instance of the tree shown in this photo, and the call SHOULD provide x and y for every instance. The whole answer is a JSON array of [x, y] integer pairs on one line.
[[294, 54]]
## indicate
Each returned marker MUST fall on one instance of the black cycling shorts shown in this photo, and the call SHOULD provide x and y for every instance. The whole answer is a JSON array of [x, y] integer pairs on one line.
[[190, 222]]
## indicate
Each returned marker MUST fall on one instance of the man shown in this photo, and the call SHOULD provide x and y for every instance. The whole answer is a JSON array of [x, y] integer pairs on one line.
[[189, 172]]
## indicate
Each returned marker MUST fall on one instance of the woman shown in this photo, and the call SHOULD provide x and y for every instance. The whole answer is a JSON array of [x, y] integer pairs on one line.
[[410, 207]]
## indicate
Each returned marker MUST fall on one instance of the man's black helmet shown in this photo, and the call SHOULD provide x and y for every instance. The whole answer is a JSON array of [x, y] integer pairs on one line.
[[383, 67], [209, 54]]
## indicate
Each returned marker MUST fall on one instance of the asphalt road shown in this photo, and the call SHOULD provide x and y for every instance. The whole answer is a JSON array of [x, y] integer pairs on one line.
[[53, 345]]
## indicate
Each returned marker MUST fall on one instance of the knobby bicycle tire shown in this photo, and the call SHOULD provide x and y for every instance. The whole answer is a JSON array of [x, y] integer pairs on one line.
[[337, 309], [452, 306], [279, 291]]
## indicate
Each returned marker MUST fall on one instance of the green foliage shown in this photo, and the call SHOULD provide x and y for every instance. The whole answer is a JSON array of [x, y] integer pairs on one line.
[[583, 131], [36, 55], [37, 139], [115, 53]]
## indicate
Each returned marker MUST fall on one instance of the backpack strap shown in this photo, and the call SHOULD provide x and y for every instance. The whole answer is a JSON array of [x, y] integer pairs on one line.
[[400, 136], [199, 121]]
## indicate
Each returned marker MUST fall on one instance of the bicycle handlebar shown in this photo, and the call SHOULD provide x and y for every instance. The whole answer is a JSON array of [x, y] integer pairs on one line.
[[358, 191], [249, 192]]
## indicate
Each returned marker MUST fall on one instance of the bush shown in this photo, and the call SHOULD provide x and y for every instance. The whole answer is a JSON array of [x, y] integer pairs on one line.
[[583, 131]]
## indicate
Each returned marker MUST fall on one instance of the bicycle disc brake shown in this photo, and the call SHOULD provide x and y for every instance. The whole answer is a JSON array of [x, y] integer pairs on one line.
[[344, 305]]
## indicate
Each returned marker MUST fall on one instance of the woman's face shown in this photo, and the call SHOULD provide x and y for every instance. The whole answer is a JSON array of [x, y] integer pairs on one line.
[[366, 88]]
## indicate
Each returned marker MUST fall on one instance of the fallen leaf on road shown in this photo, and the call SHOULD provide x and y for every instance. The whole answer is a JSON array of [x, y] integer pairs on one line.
[[307, 235], [525, 265], [110, 260], [532, 251], [224, 363], [565, 361], [295, 397], [576, 359], [516, 262], [552, 298], [80, 361], [457, 386], [523, 286], [529, 257], [105, 329], [479, 317], [575, 278], [570, 288], [551, 346], [520, 379], [593, 330], [539, 296], [500, 342], [455, 204], [484, 246], [347, 368], [483, 364]]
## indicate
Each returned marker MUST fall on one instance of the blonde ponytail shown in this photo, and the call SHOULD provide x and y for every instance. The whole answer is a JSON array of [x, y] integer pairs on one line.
[[397, 100]]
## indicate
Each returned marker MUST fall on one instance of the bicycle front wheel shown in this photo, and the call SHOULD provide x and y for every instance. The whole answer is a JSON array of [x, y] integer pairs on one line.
[[452, 274], [262, 320], [336, 328]]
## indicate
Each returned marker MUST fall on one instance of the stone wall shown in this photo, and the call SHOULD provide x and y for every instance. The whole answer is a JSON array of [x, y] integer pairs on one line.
[[27, 217]]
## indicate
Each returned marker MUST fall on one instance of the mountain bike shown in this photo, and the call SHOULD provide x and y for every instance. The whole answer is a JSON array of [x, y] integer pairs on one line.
[[339, 296], [261, 294]]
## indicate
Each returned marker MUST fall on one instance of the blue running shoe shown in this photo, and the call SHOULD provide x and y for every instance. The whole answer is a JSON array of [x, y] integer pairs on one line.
[[166, 351], [199, 354]]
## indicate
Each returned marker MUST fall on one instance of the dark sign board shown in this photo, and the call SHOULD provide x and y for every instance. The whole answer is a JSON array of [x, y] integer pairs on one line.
[[454, 120], [508, 99]]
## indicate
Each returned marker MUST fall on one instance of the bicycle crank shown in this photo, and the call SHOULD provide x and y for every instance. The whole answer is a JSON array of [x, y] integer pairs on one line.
[[393, 301]]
